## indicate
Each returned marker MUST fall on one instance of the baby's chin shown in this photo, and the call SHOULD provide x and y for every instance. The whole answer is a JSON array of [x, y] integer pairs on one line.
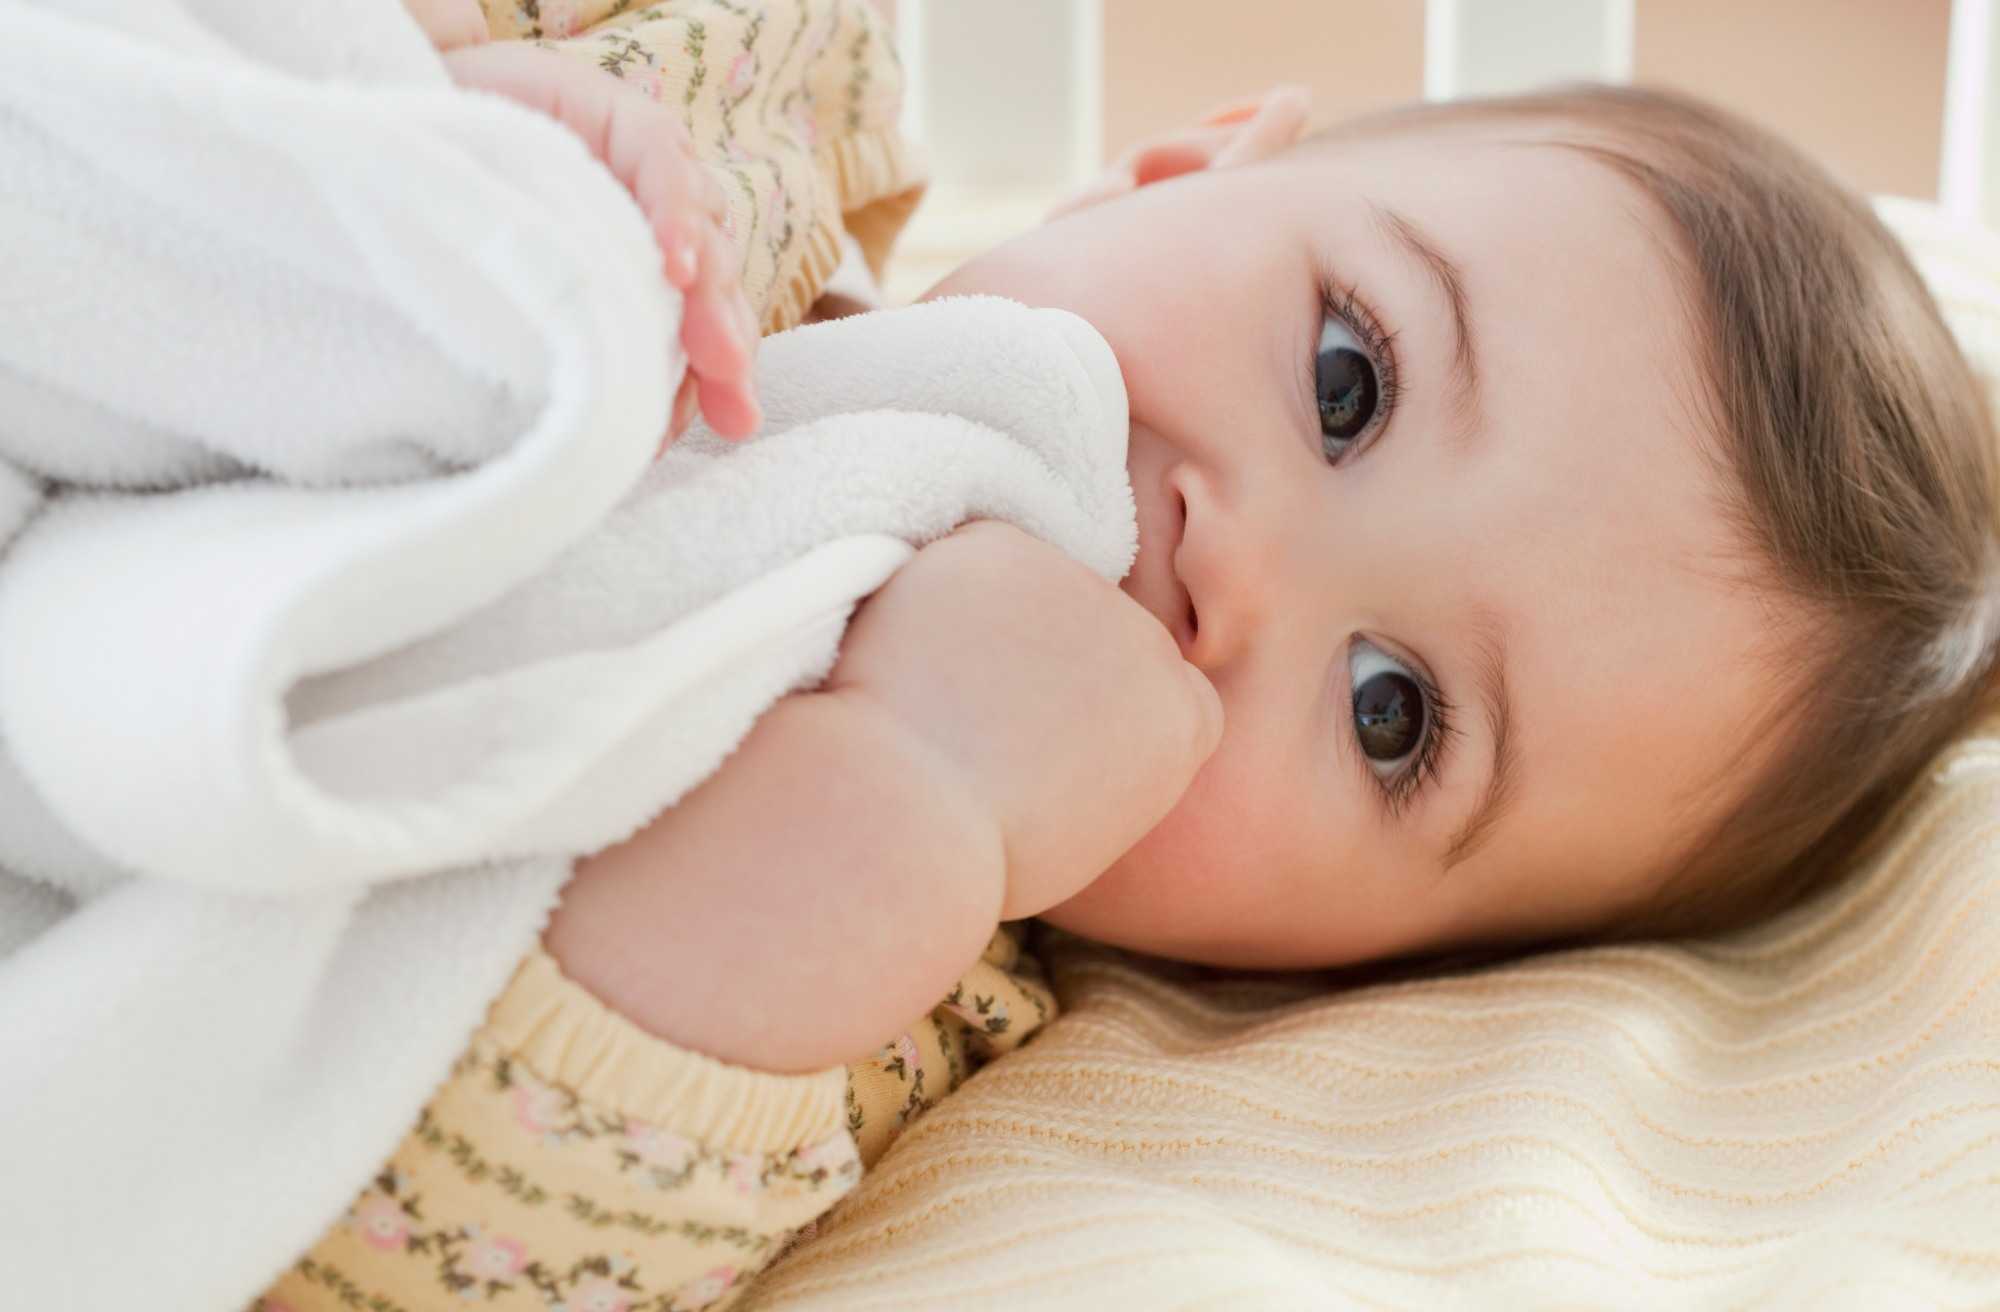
[[1118, 912], [1158, 898], [1100, 913]]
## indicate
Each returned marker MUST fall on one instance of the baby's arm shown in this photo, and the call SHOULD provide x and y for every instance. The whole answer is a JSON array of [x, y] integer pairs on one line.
[[822, 888], [1001, 726]]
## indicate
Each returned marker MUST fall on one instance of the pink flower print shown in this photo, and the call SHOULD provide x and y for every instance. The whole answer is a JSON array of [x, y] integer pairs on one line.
[[776, 214], [657, 1147], [742, 74], [831, 1155], [904, 1049], [382, 1221], [538, 1108], [815, 1165], [744, 1170], [597, 1295], [496, 1258], [650, 82], [705, 1288], [560, 19]]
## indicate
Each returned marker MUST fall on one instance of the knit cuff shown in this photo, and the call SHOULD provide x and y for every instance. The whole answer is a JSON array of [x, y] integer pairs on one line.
[[566, 1037]]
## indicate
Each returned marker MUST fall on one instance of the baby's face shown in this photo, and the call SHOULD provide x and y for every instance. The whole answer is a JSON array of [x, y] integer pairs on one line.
[[1424, 487]]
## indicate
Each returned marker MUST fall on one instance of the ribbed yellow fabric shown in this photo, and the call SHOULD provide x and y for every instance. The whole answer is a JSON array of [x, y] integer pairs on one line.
[[1806, 1114], [570, 1039]]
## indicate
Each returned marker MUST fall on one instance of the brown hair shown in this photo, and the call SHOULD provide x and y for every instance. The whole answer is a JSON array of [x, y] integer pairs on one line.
[[1862, 474]]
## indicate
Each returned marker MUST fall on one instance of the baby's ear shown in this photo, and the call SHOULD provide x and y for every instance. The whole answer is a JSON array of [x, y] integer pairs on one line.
[[1239, 133]]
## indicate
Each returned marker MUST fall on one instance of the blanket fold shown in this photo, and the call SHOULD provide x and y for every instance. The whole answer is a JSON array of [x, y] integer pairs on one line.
[[343, 602]]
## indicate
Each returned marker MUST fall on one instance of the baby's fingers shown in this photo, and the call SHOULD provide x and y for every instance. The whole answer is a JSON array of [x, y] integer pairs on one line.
[[719, 334], [1172, 738], [1205, 729], [684, 404], [730, 408], [1166, 718], [716, 328], [684, 203]]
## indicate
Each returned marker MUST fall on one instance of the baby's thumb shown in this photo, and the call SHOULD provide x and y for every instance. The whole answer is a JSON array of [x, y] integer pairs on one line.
[[1208, 715]]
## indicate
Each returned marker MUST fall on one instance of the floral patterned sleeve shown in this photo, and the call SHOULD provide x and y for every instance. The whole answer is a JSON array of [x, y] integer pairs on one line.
[[572, 1163], [793, 107]]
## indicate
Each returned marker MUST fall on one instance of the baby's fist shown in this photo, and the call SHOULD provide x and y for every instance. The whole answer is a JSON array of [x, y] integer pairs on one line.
[[1059, 701]]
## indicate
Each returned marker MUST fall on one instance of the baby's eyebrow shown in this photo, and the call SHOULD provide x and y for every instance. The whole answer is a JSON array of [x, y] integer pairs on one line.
[[1449, 279]]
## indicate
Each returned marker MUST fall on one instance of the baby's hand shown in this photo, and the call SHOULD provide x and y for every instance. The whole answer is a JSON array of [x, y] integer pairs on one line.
[[647, 147], [1059, 701]]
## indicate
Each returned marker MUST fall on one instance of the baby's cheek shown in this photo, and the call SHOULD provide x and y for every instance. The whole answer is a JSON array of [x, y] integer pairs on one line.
[[1195, 881]]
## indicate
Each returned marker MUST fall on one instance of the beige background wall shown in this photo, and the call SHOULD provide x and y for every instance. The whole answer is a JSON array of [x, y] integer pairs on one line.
[[1860, 83], [1014, 122], [1169, 61]]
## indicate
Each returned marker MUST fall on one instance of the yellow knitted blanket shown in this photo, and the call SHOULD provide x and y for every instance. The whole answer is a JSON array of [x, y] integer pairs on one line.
[[1806, 1114]]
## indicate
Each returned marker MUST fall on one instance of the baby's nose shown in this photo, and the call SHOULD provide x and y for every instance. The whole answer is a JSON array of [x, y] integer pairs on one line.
[[1225, 561]]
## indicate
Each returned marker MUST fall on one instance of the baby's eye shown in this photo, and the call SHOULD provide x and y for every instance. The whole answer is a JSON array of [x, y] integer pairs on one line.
[[1389, 710], [1346, 385]]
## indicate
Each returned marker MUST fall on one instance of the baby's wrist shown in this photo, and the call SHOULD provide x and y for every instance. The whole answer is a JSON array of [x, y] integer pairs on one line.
[[957, 782], [827, 884], [943, 783]]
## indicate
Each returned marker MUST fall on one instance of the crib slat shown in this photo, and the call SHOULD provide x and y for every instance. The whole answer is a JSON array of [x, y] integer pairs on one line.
[[1966, 157], [1490, 47]]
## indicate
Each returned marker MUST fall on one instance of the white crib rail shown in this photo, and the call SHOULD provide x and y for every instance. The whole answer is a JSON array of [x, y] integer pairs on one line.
[[1966, 160], [1027, 113], [1011, 96], [1491, 47]]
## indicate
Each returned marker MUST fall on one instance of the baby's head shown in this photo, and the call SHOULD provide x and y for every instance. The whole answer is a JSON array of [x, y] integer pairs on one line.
[[1576, 500]]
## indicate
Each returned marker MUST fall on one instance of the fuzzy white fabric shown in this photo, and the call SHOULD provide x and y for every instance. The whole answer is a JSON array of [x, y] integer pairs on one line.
[[343, 602]]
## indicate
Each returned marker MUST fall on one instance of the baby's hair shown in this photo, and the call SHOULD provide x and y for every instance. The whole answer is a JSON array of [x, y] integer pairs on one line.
[[1859, 462]]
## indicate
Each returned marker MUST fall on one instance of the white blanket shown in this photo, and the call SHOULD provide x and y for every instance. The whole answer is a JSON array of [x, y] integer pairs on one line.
[[342, 602]]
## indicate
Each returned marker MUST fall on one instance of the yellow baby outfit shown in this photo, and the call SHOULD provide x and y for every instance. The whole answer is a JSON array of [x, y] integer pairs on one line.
[[571, 1162]]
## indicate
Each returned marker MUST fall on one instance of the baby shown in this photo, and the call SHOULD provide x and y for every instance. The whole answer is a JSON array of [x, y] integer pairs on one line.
[[1575, 502], [1560, 517]]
